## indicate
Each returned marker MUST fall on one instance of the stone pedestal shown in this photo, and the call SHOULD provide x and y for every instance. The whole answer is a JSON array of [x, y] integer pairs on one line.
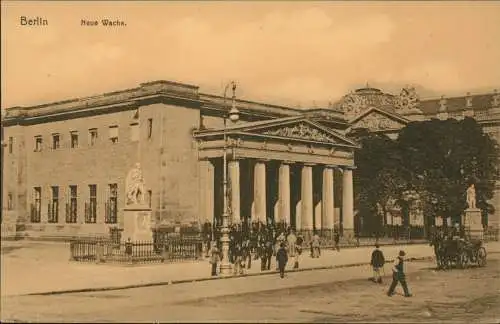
[[472, 221], [137, 223]]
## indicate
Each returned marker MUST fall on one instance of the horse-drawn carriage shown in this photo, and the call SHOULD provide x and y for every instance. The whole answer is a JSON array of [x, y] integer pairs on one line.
[[458, 252]]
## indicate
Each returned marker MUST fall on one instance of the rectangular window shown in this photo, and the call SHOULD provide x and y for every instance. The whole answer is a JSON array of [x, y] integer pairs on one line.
[[134, 132], [55, 141], [113, 134], [111, 216], [92, 136], [74, 139], [11, 145], [38, 143], [91, 205], [36, 207], [72, 207], [54, 206], [10, 201], [150, 127]]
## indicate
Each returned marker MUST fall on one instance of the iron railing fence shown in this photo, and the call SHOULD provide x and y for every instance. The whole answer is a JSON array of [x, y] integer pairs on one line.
[[104, 250], [491, 234]]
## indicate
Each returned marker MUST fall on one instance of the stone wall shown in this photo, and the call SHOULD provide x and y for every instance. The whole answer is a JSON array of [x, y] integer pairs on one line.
[[170, 148]]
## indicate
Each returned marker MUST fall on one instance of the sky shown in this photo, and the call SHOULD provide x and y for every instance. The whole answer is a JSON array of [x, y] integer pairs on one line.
[[299, 54]]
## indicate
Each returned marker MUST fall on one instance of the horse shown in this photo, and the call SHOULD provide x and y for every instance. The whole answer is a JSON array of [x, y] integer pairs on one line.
[[439, 251]]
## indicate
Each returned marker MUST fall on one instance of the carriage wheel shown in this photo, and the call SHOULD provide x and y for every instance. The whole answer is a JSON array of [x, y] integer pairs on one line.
[[445, 262], [481, 257], [439, 263]]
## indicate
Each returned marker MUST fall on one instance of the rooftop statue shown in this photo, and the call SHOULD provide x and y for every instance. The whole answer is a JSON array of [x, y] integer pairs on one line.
[[408, 100]]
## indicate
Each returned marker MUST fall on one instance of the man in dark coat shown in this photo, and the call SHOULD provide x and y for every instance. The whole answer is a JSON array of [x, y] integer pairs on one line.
[[398, 275], [207, 237], [282, 259], [214, 258], [377, 263], [336, 238], [269, 251]]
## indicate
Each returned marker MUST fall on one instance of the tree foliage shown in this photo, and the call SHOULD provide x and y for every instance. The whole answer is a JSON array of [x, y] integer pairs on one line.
[[437, 159], [378, 178]]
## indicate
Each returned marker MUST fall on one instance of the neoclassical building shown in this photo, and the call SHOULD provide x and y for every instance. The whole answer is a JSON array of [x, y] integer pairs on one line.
[[65, 163]]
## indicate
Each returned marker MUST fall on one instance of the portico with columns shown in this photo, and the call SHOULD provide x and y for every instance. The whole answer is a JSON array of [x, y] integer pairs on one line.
[[279, 171]]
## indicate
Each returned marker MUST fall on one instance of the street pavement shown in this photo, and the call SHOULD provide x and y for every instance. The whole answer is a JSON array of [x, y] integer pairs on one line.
[[30, 267], [328, 295]]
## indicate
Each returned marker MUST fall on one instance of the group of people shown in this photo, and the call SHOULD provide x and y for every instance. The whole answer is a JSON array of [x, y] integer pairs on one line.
[[260, 241], [398, 274], [251, 242]]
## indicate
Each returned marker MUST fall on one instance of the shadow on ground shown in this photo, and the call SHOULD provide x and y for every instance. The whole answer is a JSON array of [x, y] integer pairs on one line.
[[9, 249]]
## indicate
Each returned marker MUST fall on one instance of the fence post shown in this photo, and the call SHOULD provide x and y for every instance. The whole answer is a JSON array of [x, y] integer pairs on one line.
[[72, 250], [128, 251], [100, 251]]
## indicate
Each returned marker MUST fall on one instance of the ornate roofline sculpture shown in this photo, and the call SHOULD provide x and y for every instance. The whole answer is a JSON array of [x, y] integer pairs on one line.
[[408, 101], [301, 131]]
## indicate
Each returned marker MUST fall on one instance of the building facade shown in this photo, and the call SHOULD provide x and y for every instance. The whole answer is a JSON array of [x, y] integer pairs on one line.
[[64, 164]]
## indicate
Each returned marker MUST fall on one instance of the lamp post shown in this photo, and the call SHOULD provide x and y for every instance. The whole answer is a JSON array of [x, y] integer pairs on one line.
[[225, 267]]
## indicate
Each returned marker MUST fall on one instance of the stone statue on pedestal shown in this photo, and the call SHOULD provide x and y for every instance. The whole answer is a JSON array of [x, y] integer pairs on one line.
[[135, 186], [472, 216], [471, 197], [137, 224]]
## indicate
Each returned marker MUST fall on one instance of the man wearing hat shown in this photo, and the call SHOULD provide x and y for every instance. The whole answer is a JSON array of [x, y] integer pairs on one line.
[[377, 263], [214, 258], [398, 275]]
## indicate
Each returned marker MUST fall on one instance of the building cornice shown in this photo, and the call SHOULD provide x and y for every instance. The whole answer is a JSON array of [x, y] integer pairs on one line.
[[147, 93]]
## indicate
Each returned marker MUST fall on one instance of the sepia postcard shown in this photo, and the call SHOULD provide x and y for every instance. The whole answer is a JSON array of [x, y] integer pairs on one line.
[[250, 161]]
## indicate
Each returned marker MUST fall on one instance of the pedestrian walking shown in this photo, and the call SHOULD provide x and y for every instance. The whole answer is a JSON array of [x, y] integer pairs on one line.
[[398, 275], [282, 259], [269, 252], [246, 254], [207, 237], [377, 263], [292, 241], [298, 251], [315, 246], [238, 267], [279, 240], [214, 258], [336, 238]]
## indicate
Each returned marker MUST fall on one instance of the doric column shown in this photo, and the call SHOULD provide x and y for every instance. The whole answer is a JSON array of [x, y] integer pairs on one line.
[[328, 219], [307, 198], [206, 192], [234, 178], [347, 203], [260, 191], [284, 193], [318, 207]]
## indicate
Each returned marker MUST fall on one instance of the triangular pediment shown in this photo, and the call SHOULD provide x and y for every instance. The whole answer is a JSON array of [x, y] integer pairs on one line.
[[376, 119], [289, 128], [303, 130]]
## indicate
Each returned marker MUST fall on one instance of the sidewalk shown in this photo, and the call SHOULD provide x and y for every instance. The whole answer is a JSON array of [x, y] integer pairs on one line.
[[42, 267]]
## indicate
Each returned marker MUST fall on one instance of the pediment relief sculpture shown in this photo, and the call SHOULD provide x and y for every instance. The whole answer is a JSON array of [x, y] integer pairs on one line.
[[302, 131], [377, 122], [387, 101]]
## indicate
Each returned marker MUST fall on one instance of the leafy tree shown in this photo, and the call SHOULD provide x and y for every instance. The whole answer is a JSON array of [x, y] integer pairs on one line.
[[378, 178], [443, 158], [435, 159]]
